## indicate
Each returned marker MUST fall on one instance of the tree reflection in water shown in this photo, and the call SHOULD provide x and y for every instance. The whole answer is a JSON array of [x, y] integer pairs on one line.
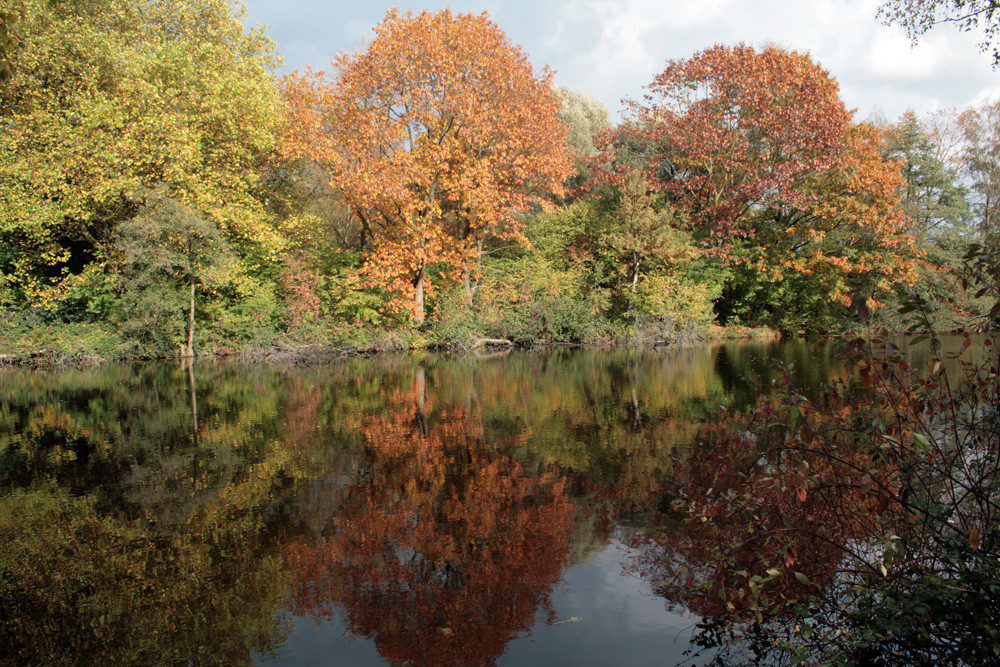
[[853, 526], [432, 512], [446, 547], [747, 532]]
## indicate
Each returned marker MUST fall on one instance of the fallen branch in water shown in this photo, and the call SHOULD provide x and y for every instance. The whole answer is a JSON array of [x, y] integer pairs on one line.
[[493, 342]]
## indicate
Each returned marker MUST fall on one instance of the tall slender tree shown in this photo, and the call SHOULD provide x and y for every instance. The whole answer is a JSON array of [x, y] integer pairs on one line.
[[933, 198], [981, 165]]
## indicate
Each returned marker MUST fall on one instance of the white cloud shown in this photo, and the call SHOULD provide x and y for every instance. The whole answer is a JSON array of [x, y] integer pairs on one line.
[[893, 56], [611, 49], [987, 95]]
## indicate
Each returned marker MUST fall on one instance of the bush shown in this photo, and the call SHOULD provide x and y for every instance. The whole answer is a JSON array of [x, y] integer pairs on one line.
[[523, 299], [34, 336]]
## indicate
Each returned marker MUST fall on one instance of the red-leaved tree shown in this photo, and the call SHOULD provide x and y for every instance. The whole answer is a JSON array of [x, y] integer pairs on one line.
[[758, 151]]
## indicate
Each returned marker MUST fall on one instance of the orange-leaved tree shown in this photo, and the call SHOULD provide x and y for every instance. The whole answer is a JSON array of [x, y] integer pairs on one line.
[[438, 135], [758, 151]]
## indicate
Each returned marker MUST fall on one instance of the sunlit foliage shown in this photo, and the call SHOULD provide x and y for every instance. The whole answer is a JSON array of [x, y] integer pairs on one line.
[[759, 153], [438, 135], [108, 101]]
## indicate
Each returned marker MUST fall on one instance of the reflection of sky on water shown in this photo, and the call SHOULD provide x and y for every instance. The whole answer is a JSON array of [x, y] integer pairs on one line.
[[619, 620], [309, 643]]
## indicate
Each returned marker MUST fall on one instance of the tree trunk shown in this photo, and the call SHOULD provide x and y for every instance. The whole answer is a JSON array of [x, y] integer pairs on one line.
[[467, 283], [189, 352], [418, 294], [637, 259]]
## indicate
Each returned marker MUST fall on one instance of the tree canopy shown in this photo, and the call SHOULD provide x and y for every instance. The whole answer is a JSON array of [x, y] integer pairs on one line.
[[438, 135], [933, 198], [758, 151], [110, 99], [154, 172]]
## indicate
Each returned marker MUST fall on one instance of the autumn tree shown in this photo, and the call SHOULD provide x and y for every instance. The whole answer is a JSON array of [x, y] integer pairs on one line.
[[757, 150], [111, 99], [439, 135], [919, 16]]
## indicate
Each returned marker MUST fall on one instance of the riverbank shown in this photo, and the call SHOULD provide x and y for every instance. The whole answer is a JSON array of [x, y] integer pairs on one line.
[[88, 343]]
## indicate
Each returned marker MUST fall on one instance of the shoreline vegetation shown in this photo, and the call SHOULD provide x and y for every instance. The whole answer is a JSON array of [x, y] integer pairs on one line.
[[25, 354], [397, 342], [147, 213]]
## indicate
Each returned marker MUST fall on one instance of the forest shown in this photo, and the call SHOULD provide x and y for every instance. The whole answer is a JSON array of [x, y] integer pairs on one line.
[[163, 192]]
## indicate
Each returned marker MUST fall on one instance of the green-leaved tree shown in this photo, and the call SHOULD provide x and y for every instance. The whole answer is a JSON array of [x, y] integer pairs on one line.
[[111, 98]]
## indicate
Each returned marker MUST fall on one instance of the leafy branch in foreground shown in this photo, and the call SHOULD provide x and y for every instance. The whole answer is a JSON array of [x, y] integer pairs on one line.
[[855, 525], [919, 16]]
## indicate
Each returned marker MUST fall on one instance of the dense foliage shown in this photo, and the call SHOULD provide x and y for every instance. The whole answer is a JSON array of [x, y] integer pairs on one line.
[[438, 135], [117, 108], [760, 154], [162, 193]]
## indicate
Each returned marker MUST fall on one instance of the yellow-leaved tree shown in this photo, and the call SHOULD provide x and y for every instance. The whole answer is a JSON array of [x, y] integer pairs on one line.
[[439, 135], [111, 101]]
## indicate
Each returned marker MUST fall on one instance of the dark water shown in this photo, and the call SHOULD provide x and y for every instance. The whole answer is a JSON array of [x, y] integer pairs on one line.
[[406, 510]]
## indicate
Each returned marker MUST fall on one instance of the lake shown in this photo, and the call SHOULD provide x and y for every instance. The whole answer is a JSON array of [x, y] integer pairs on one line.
[[422, 509]]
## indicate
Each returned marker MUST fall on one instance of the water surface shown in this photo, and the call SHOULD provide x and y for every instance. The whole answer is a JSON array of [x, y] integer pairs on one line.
[[423, 509]]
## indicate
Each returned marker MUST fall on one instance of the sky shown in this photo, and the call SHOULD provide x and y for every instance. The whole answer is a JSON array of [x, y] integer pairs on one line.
[[612, 49]]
